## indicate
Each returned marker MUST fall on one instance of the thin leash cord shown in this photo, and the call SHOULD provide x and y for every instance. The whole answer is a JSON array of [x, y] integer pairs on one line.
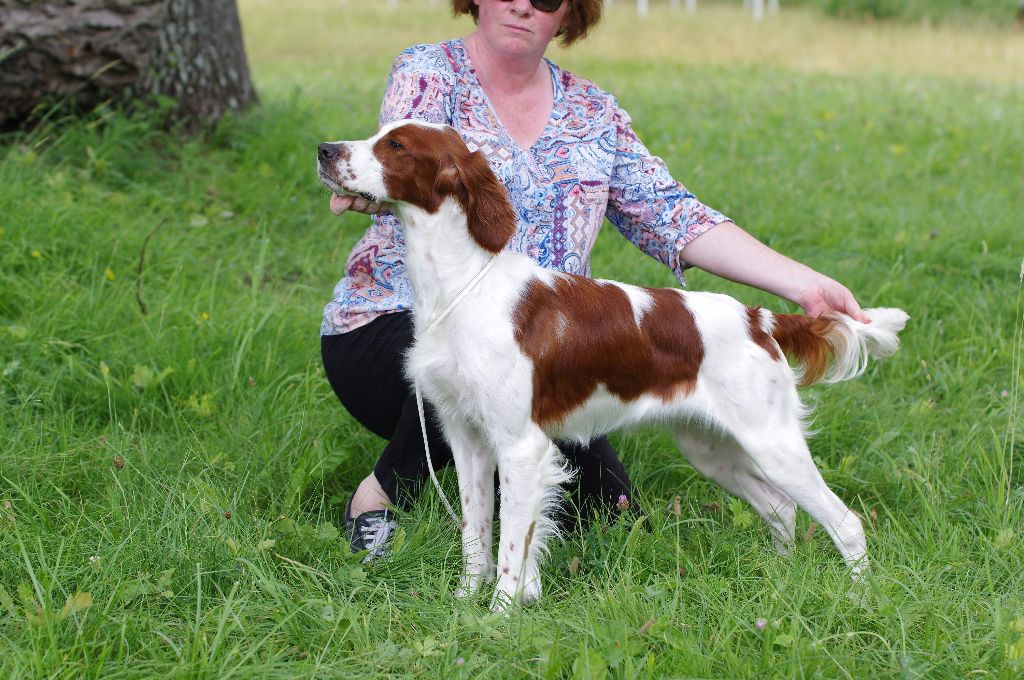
[[419, 397], [430, 463]]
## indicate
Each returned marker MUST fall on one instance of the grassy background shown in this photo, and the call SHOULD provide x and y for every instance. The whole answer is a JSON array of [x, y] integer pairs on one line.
[[993, 12], [170, 482]]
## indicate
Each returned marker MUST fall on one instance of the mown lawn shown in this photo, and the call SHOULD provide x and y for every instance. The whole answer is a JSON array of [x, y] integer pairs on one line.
[[174, 464]]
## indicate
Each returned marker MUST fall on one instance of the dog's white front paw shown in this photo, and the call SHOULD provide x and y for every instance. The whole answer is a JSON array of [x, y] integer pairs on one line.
[[512, 588], [530, 591], [470, 584], [502, 601]]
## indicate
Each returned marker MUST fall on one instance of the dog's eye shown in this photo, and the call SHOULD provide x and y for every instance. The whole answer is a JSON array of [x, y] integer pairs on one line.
[[394, 145]]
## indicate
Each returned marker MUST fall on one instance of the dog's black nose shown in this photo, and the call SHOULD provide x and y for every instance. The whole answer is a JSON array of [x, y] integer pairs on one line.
[[327, 153]]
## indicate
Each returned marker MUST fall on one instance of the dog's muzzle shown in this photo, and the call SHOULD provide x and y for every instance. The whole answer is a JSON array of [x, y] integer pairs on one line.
[[327, 156]]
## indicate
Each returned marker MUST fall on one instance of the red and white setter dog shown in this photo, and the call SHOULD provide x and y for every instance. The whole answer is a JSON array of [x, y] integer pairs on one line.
[[529, 354]]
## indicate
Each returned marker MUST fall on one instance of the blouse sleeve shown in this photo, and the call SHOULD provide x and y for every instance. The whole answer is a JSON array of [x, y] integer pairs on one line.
[[654, 211], [420, 87]]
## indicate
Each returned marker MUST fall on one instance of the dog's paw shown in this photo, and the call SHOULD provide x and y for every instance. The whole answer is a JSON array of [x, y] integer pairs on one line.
[[502, 601], [782, 546], [511, 590], [530, 591], [860, 570], [470, 583]]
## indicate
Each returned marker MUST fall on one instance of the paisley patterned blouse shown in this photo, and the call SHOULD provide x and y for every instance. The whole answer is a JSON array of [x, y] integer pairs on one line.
[[586, 165]]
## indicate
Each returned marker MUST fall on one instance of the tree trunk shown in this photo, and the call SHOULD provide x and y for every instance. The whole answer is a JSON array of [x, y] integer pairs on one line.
[[85, 51], [200, 60]]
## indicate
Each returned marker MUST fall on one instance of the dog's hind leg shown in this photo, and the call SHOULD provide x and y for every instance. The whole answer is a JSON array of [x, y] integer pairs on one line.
[[780, 452], [722, 460], [474, 463], [530, 469]]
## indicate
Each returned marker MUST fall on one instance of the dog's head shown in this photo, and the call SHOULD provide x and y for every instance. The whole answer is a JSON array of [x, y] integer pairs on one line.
[[421, 165]]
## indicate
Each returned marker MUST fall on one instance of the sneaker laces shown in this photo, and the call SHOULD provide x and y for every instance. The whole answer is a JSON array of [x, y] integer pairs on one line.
[[375, 533]]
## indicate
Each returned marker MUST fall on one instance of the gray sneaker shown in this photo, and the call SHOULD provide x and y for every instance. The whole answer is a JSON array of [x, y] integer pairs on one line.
[[370, 531]]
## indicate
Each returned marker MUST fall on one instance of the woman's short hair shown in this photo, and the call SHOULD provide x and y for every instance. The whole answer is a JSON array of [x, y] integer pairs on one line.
[[583, 15]]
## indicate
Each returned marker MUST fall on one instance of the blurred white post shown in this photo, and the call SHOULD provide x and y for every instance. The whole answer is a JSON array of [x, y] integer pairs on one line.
[[641, 8], [673, 5], [773, 6], [691, 6], [758, 10], [392, 3]]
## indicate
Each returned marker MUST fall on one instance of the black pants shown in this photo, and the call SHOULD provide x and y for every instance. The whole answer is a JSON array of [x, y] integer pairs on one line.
[[365, 368]]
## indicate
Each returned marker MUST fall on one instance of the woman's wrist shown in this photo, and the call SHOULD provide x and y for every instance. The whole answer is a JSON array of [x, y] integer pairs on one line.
[[802, 285]]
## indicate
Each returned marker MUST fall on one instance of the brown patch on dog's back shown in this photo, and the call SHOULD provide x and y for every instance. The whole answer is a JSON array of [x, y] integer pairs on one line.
[[581, 333], [676, 344]]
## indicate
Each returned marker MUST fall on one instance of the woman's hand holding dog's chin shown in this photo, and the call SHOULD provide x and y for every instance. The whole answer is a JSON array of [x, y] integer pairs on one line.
[[340, 204]]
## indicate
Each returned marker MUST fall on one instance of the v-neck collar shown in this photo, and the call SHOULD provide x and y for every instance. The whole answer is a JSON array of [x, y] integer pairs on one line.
[[556, 98]]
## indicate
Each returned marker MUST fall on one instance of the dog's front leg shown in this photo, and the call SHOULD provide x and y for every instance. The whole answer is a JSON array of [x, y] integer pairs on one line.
[[530, 470], [474, 463]]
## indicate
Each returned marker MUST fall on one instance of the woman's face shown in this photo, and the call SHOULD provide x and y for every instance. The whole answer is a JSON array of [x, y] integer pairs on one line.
[[516, 28]]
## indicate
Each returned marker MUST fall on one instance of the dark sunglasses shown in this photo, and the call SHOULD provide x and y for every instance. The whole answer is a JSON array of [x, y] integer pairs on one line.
[[546, 5]]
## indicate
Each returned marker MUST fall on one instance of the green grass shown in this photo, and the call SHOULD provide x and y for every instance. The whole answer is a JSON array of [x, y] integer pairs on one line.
[[214, 550], [995, 12]]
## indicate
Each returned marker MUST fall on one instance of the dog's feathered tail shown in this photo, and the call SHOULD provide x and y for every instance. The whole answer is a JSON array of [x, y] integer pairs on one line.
[[848, 343]]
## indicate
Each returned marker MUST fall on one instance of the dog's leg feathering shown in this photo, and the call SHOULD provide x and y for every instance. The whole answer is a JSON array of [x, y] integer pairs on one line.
[[531, 470]]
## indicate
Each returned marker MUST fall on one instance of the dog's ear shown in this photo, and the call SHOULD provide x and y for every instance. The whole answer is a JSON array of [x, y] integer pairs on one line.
[[449, 182], [490, 218]]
